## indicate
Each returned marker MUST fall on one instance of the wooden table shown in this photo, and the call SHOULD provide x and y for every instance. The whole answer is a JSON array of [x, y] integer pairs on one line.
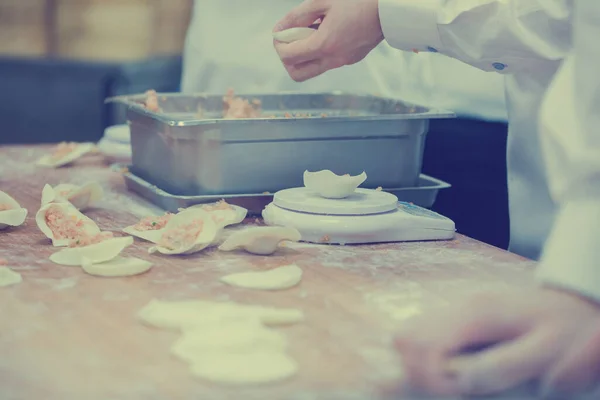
[[67, 335]]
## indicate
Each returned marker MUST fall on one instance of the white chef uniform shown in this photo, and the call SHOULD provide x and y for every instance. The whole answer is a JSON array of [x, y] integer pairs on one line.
[[524, 39], [570, 135], [229, 45]]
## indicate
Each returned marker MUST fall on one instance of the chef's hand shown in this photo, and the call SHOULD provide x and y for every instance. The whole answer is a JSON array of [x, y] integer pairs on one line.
[[349, 30], [542, 334]]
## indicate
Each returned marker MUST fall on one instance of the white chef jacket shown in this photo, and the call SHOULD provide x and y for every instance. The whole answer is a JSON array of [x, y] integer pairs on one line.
[[570, 133], [229, 45], [554, 169]]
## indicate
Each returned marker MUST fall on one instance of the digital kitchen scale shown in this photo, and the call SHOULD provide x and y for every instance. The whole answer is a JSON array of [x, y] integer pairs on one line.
[[366, 216]]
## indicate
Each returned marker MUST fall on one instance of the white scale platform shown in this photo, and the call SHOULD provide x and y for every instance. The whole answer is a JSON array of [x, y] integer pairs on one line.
[[367, 216]]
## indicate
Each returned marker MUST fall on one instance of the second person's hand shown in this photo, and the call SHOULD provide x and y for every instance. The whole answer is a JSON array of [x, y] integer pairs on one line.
[[350, 29]]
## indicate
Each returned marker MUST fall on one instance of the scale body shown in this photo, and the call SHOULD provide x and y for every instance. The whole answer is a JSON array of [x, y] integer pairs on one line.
[[366, 216]]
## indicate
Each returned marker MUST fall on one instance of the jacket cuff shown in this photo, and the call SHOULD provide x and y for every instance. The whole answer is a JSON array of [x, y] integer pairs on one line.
[[571, 257], [411, 25]]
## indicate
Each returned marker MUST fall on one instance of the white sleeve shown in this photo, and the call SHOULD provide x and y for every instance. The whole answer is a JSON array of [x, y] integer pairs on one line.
[[570, 136], [507, 36]]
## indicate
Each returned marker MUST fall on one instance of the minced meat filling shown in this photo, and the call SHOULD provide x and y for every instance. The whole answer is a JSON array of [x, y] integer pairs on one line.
[[63, 149], [64, 226], [182, 236], [153, 223]]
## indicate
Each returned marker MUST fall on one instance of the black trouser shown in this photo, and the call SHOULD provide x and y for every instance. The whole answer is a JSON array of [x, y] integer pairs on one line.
[[471, 155]]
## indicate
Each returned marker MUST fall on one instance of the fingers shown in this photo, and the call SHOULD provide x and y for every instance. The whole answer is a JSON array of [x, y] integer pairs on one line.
[[428, 345], [578, 371], [301, 51], [303, 15], [308, 70], [503, 366]]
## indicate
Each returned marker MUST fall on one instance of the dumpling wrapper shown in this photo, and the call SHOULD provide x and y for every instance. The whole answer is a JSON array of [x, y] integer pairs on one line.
[[15, 216], [9, 277], [231, 336], [263, 240], [96, 253], [152, 236], [331, 186], [223, 217], [208, 235], [117, 267], [89, 227], [80, 196], [293, 34], [189, 314], [52, 162], [275, 279], [254, 367]]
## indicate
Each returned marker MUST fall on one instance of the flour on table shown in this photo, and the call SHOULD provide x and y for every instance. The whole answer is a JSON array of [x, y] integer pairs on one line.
[[275, 279], [9, 277]]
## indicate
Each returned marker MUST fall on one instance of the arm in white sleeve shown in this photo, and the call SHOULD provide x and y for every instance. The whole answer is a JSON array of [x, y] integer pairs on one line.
[[493, 35], [570, 136]]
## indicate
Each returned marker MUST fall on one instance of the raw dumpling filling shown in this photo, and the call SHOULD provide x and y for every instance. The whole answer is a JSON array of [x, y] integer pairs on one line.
[[153, 223], [237, 107], [62, 150], [152, 101], [182, 236], [220, 205], [68, 227]]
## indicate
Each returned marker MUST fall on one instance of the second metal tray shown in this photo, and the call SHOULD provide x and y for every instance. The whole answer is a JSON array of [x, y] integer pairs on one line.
[[423, 195]]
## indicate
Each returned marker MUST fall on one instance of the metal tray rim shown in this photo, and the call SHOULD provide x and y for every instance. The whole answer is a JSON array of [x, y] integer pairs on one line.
[[434, 184], [431, 113]]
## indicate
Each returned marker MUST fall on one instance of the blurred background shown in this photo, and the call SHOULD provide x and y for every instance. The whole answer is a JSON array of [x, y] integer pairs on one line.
[[59, 60]]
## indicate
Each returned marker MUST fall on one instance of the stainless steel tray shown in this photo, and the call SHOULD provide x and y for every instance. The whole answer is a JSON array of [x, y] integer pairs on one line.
[[423, 195], [187, 154]]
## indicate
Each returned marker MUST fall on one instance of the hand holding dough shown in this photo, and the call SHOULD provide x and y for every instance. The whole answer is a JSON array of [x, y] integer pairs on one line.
[[263, 240], [293, 34], [331, 186], [275, 279], [11, 212]]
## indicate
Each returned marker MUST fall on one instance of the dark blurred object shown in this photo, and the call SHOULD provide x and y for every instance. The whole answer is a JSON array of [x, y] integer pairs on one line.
[[48, 101], [471, 155]]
